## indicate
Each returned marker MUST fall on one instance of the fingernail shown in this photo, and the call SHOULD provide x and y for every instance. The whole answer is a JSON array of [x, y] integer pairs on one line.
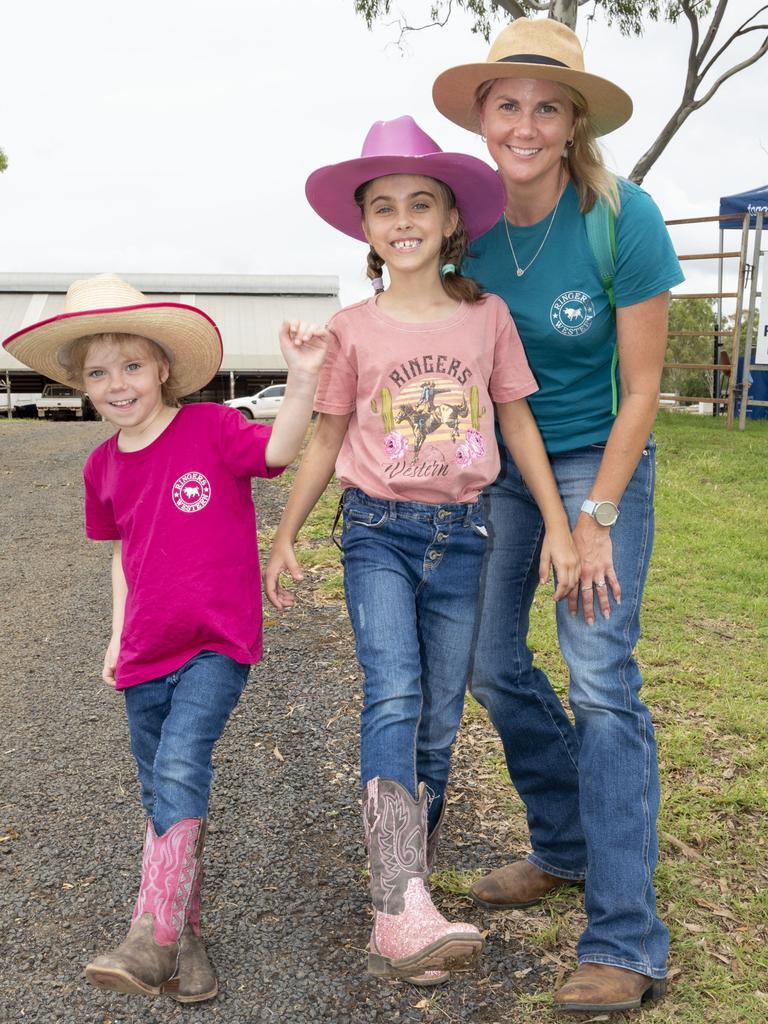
[[618, 600], [606, 615]]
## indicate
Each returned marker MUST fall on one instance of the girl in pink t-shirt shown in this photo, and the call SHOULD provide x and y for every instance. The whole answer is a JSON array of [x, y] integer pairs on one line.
[[171, 489], [406, 401]]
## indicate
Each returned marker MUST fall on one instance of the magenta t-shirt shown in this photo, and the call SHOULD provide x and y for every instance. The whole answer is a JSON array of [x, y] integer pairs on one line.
[[422, 397], [183, 509]]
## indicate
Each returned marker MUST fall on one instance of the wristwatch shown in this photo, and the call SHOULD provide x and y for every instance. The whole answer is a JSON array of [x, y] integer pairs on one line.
[[603, 512]]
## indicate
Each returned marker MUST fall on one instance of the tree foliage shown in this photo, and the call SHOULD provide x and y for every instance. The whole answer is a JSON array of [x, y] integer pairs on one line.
[[3, 161], [708, 55], [697, 316]]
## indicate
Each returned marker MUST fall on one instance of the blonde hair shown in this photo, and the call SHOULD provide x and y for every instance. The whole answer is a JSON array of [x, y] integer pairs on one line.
[[72, 358], [584, 159], [452, 251]]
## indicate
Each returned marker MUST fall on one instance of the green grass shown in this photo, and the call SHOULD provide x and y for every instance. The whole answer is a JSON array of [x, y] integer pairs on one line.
[[704, 657]]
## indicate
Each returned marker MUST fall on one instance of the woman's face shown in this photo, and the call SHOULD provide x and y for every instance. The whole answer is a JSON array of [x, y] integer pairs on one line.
[[527, 122]]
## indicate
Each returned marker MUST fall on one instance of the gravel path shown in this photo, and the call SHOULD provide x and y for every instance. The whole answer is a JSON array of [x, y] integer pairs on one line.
[[285, 902]]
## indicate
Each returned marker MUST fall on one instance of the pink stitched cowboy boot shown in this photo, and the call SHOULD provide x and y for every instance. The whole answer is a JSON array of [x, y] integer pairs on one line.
[[195, 979], [409, 934], [149, 955]]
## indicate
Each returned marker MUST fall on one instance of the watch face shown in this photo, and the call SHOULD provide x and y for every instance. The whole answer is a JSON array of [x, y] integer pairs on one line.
[[606, 513]]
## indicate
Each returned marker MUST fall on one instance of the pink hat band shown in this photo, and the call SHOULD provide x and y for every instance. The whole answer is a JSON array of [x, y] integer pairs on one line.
[[401, 147]]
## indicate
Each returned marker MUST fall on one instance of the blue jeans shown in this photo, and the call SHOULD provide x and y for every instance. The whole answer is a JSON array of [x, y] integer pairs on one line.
[[411, 579], [591, 792], [174, 722]]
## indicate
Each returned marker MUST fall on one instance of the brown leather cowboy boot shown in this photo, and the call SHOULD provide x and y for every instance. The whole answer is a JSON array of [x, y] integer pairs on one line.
[[148, 957], [195, 979], [520, 884], [596, 987]]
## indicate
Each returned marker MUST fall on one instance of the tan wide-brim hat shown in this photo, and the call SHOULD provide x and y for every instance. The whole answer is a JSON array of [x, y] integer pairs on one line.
[[107, 304], [532, 48]]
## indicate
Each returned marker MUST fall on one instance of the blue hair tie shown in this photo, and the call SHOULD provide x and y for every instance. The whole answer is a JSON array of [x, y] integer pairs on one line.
[[377, 283], [447, 268]]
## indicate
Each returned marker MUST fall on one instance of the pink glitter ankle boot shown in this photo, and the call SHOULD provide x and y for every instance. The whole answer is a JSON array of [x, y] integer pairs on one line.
[[410, 936], [148, 958]]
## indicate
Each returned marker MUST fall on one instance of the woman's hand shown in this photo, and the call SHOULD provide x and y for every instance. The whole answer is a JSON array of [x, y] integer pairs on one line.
[[559, 551], [282, 558], [110, 662], [597, 573]]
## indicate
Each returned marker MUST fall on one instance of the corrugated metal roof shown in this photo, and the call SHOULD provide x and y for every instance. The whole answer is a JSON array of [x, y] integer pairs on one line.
[[247, 309]]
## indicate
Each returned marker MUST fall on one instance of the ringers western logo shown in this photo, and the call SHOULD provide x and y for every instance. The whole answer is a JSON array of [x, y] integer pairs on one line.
[[572, 313], [191, 492]]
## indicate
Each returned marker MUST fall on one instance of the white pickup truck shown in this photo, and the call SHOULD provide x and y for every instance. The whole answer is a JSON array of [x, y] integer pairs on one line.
[[59, 402]]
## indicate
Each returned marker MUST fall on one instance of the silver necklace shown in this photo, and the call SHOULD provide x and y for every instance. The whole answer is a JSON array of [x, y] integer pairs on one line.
[[521, 270]]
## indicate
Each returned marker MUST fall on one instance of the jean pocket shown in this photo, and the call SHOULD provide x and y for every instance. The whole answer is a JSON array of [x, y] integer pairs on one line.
[[477, 522], [359, 515]]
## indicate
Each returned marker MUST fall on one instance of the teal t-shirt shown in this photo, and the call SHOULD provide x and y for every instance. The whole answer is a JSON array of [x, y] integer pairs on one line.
[[562, 311]]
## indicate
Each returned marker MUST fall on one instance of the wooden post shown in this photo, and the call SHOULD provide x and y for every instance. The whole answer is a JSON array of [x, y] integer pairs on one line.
[[750, 321], [737, 323]]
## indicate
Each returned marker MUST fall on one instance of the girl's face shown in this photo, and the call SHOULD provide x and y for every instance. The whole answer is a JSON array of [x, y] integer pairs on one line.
[[527, 123], [124, 382], [406, 222]]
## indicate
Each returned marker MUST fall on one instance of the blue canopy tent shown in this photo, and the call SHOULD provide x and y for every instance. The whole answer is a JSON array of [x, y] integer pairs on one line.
[[755, 203]]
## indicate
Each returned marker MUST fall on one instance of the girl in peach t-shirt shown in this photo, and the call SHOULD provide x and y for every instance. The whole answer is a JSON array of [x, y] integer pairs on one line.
[[406, 401]]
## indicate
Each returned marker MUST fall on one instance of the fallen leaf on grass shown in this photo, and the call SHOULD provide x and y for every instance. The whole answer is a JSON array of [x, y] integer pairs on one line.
[[277, 754]]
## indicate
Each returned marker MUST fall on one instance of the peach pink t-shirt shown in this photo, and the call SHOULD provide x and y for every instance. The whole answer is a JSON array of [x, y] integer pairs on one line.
[[421, 397]]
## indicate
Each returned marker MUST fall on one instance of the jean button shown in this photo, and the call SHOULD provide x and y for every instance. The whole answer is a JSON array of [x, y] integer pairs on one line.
[[442, 536], [443, 513], [433, 555]]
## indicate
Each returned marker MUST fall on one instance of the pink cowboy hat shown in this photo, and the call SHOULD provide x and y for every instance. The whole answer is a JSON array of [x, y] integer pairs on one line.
[[401, 147]]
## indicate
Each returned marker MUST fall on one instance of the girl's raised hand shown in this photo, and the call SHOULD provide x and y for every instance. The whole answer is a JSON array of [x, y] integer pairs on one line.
[[559, 551], [304, 345], [282, 558]]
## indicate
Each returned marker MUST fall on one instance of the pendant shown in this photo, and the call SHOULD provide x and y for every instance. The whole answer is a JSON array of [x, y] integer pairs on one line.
[[520, 272]]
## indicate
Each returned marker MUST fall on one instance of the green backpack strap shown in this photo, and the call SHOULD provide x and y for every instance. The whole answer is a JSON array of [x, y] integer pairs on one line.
[[601, 234]]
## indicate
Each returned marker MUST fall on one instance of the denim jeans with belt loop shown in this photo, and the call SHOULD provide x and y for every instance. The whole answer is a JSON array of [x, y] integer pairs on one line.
[[591, 792], [174, 722], [411, 579]]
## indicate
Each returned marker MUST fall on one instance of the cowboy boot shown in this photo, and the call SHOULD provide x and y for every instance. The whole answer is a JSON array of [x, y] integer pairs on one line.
[[430, 979], [148, 957], [597, 988], [195, 979], [409, 934], [516, 885]]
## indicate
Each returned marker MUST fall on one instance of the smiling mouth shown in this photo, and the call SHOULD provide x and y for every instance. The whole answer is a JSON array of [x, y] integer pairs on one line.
[[124, 403], [519, 151], [406, 244]]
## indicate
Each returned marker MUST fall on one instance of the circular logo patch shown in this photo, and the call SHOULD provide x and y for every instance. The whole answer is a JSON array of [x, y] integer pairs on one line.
[[572, 313], [191, 492]]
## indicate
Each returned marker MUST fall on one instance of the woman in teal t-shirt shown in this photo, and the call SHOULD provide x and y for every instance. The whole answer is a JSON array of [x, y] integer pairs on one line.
[[591, 792]]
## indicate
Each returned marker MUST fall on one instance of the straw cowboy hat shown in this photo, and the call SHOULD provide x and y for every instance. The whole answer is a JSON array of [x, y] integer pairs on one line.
[[401, 147], [528, 48], [107, 304]]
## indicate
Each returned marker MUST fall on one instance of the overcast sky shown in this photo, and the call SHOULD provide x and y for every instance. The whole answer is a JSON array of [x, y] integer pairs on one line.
[[176, 136]]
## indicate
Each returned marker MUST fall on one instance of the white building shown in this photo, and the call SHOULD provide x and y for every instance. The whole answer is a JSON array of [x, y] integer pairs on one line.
[[247, 309]]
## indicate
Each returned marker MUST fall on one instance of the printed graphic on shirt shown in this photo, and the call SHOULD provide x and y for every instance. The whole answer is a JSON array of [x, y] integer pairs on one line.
[[572, 313], [191, 492], [425, 411]]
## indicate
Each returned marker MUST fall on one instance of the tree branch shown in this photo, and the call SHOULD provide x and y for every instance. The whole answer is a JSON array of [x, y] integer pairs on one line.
[[760, 52], [742, 30]]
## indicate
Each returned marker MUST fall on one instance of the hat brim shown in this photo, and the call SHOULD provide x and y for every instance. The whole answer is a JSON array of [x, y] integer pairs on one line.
[[186, 334], [478, 189], [454, 91]]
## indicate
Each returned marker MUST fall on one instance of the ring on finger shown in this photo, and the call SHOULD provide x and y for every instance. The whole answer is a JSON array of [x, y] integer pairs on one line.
[[586, 587], [600, 583]]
